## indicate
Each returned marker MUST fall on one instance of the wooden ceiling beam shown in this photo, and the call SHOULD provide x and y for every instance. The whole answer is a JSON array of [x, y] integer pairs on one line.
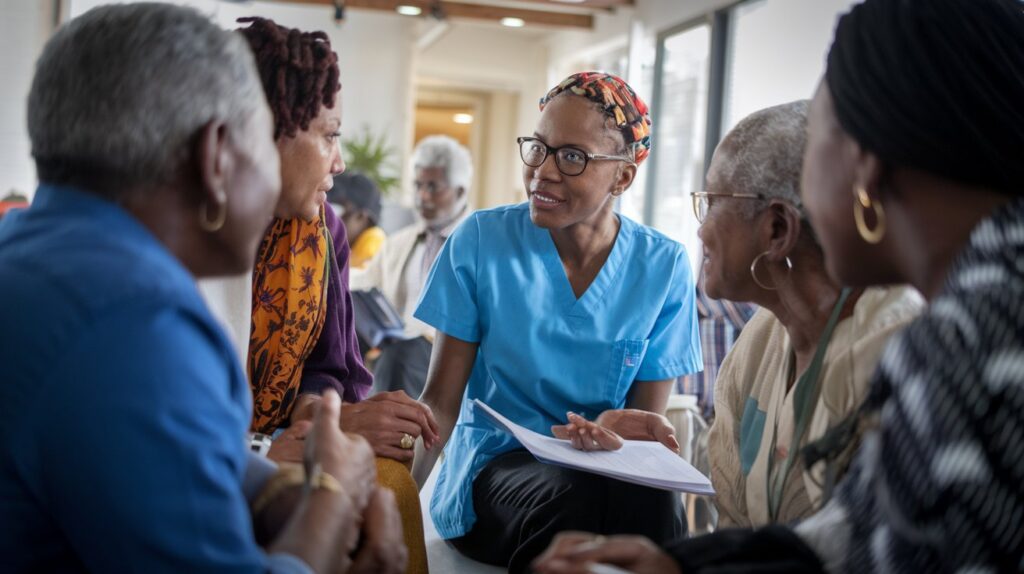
[[598, 4], [470, 11]]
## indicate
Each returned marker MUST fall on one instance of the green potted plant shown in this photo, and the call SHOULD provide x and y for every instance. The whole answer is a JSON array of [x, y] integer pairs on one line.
[[370, 155]]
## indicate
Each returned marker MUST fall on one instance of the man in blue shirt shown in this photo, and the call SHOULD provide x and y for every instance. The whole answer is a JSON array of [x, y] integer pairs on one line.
[[123, 411]]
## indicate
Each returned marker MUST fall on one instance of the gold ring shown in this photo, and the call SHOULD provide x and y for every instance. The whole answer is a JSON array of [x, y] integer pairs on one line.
[[407, 441]]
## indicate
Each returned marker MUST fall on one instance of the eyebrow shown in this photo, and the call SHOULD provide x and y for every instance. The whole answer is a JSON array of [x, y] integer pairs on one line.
[[575, 145]]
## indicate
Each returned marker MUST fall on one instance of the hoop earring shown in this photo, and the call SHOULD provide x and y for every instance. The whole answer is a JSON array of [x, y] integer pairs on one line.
[[208, 225], [753, 272], [862, 202]]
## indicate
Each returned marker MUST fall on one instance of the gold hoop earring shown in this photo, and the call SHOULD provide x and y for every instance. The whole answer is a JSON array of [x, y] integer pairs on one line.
[[861, 202], [753, 272], [214, 225]]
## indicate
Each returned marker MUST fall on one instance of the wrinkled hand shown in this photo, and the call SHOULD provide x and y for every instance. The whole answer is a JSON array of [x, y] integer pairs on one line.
[[349, 459], [587, 435], [385, 418], [575, 552], [635, 424], [290, 445], [383, 548]]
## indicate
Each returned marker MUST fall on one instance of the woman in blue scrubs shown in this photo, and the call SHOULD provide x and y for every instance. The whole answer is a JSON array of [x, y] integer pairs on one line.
[[553, 306]]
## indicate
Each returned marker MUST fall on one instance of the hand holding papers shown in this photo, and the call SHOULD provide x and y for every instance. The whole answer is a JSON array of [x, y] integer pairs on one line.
[[640, 462]]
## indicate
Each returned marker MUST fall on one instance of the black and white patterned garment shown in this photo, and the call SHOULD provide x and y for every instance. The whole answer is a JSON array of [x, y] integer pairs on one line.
[[940, 486]]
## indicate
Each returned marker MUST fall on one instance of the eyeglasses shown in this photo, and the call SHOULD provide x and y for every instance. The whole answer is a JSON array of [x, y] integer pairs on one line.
[[701, 201], [569, 160]]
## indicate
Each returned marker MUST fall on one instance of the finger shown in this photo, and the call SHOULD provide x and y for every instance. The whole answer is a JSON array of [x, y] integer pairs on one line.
[[298, 431], [325, 422], [606, 439], [617, 550], [669, 440], [561, 431]]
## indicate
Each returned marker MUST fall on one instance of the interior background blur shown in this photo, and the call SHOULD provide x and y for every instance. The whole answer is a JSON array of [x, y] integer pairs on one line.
[[702, 65]]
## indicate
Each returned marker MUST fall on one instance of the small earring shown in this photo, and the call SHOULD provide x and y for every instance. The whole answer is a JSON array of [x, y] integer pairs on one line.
[[753, 272], [861, 202], [212, 225]]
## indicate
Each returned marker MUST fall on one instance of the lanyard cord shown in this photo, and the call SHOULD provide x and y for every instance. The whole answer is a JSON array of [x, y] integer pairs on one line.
[[805, 398]]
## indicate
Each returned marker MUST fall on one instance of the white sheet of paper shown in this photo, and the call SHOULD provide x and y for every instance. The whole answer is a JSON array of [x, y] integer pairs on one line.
[[640, 462]]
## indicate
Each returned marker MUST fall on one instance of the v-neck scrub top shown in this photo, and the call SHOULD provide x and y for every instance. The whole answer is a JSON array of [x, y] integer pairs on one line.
[[499, 282]]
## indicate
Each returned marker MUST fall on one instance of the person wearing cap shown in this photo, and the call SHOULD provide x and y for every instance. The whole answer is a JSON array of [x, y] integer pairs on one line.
[[552, 307], [357, 201]]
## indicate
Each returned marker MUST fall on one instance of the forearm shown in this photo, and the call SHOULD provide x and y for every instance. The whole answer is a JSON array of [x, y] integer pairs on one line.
[[650, 396], [451, 364], [424, 460]]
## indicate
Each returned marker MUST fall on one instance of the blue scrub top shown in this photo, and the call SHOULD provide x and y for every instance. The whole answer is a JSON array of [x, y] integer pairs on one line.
[[499, 282]]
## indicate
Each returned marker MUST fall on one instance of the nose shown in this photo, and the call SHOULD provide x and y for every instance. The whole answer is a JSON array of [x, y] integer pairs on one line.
[[337, 162], [548, 169]]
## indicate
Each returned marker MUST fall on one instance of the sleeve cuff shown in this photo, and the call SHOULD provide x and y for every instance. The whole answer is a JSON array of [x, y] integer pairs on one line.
[[469, 332], [663, 371]]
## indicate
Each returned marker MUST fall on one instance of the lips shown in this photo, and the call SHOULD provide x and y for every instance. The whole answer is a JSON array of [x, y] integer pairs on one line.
[[545, 200]]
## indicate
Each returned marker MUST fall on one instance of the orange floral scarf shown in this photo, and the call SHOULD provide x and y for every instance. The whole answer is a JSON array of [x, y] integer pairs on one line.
[[289, 303]]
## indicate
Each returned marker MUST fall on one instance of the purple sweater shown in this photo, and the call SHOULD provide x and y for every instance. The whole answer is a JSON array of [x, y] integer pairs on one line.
[[335, 361]]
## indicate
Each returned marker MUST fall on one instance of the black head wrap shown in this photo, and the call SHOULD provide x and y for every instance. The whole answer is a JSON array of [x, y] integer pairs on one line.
[[936, 85]]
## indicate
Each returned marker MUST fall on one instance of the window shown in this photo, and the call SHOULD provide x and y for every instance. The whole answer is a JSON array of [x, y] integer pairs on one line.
[[777, 51], [680, 122]]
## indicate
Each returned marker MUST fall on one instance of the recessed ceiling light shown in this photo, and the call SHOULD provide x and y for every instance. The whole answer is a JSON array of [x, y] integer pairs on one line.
[[463, 118], [405, 10], [513, 22]]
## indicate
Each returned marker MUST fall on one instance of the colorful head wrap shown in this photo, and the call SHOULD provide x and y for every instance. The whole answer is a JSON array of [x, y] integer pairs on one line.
[[618, 101]]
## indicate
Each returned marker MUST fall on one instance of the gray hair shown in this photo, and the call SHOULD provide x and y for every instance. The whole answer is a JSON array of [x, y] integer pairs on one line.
[[443, 151], [765, 153], [120, 92]]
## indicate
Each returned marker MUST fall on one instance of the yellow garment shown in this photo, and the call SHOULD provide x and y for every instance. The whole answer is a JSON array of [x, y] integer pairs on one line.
[[751, 400], [366, 246], [289, 303], [395, 476]]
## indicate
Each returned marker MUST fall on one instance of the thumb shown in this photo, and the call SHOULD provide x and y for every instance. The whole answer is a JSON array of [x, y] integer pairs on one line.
[[665, 434], [325, 421]]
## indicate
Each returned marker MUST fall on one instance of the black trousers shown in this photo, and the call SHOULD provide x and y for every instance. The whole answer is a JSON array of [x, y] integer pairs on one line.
[[521, 504]]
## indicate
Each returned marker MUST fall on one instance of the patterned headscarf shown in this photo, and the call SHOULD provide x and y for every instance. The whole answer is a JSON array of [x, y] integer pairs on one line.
[[619, 102]]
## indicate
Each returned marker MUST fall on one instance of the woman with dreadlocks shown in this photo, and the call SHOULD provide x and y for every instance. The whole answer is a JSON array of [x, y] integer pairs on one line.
[[913, 173], [302, 339]]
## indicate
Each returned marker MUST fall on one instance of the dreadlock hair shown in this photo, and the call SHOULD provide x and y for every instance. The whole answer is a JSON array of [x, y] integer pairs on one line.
[[936, 85], [298, 69]]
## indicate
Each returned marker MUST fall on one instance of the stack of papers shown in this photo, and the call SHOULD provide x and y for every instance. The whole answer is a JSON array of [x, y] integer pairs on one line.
[[648, 463]]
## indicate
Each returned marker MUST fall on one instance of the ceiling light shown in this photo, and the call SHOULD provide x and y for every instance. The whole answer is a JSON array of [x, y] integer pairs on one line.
[[513, 22], [406, 10], [463, 118]]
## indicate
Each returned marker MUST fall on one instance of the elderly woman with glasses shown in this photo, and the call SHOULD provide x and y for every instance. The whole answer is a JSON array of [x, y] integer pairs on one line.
[[554, 306]]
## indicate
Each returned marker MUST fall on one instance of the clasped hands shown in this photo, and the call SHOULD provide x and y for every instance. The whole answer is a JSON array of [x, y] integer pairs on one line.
[[613, 426], [384, 420]]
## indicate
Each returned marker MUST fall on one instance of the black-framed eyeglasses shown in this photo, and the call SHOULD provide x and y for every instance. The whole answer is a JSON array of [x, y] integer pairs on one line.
[[568, 159], [701, 201]]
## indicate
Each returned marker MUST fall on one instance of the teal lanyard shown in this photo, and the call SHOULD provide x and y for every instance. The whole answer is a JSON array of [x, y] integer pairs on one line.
[[805, 398]]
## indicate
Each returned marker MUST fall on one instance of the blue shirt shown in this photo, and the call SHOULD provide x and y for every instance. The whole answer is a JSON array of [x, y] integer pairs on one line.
[[499, 282], [123, 410]]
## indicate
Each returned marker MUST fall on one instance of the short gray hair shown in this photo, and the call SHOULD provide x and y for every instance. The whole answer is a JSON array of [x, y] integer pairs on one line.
[[443, 151], [766, 153], [120, 92]]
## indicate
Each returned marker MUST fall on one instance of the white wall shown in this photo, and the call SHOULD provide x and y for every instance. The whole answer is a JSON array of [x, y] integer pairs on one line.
[[375, 59], [24, 26], [511, 65]]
